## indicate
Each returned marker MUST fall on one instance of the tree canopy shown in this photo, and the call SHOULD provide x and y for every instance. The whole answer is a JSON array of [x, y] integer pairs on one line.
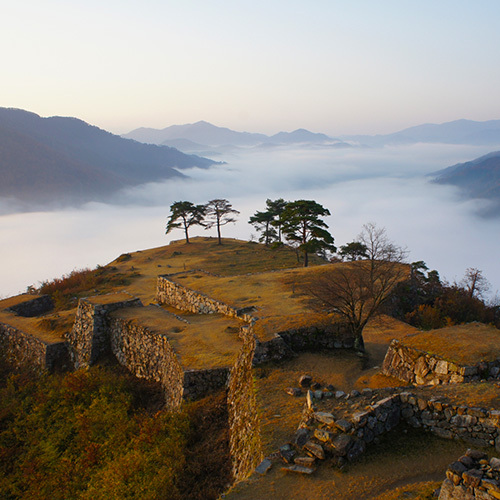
[[269, 222], [219, 212], [184, 214], [302, 225]]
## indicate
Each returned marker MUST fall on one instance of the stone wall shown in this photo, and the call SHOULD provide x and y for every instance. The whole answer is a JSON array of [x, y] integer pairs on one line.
[[199, 383], [472, 477], [89, 339], [244, 430], [183, 298], [284, 343], [418, 367], [35, 307], [331, 336], [24, 350], [147, 355], [346, 437]]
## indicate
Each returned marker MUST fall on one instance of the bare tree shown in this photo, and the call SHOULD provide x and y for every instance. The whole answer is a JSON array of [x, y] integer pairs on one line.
[[474, 283], [219, 212], [357, 290]]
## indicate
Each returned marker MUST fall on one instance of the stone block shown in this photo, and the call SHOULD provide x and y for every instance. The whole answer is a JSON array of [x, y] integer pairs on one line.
[[323, 435], [264, 466], [315, 450], [298, 469], [341, 444], [324, 417], [343, 425], [305, 461]]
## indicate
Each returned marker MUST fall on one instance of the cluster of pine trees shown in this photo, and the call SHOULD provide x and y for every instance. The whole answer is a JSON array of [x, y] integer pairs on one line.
[[298, 222]]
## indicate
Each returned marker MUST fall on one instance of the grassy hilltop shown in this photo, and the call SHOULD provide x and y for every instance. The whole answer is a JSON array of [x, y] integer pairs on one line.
[[102, 433]]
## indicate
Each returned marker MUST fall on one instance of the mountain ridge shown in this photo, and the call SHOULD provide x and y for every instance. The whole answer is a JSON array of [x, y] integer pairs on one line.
[[206, 134], [65, 160]]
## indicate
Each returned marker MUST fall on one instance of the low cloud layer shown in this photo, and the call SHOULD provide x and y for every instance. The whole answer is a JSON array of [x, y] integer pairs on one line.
[[387, 186]]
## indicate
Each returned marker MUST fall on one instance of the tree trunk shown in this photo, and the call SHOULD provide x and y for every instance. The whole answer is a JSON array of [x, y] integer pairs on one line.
[[218, 234], [186, 233], [359, 343], [306, 259]]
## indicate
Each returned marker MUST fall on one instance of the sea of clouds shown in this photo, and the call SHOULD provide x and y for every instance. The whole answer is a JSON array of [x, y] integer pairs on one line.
[[388, 186]]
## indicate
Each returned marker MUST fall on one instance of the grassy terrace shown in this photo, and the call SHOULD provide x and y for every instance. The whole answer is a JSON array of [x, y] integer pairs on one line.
[[36, 326], [276, 297], [205, 342], [233, 257], [136, 274], [461, 344]]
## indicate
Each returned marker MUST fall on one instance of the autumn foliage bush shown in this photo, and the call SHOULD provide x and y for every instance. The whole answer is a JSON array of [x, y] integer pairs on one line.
[[91, 435]]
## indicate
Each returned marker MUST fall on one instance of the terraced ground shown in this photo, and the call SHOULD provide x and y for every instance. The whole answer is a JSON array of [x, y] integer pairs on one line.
[[405, 464]]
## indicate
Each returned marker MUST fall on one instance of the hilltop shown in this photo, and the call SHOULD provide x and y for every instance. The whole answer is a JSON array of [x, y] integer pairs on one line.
[[231, 323]]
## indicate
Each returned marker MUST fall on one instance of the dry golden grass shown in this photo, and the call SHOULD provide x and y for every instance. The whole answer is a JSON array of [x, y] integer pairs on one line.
[[463, 344], [16, 300], [476, 394], [33, 326], [205, 342], [110, 298]]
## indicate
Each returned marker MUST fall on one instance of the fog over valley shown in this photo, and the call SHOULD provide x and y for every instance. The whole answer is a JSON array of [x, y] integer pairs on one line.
[[388, 186]]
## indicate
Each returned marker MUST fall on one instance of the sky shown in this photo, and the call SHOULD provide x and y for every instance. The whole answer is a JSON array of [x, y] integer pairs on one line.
[[331, 66]]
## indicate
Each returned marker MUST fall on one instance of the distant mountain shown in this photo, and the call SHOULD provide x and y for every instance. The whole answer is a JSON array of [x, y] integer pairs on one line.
[[65, 160], [455, 132], [479, 178], [207, 135]]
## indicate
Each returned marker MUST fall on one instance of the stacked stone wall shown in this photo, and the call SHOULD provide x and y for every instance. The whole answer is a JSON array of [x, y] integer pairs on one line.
[[347, 437], [419, 367], [331, 336], [244, 429], [201, 383], [183, 298], [147, 355], [472, 477], [23, 350], [35, 307], [89, 339]]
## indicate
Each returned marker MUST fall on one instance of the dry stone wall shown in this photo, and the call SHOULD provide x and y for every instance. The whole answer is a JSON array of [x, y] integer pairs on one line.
[[37, 306], [200, 383], [244, 429], [345, 437], [183, 298], [147, 355], [24, 350], [472, 477], [89, 338], [419, 367]]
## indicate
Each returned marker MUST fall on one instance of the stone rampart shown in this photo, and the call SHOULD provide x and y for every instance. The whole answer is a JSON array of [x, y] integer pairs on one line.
[[346, 436], [419, 367], [89, 339], [472, 477], [201, 383], [183, 298], [244, 429], [25, 350], [147, 355], [37, 306]]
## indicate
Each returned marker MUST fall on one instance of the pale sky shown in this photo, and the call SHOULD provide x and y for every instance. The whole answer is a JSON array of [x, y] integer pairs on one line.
[[338, 67]]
